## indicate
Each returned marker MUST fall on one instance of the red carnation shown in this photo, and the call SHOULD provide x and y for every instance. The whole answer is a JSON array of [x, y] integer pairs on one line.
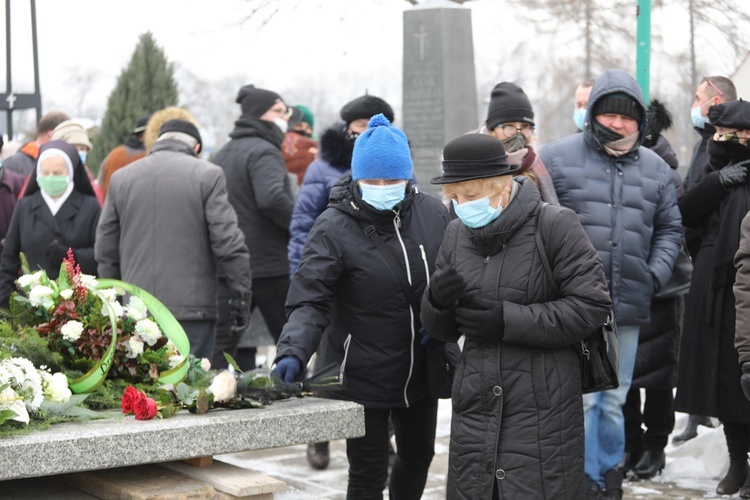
[[129, 398], [145, 408]]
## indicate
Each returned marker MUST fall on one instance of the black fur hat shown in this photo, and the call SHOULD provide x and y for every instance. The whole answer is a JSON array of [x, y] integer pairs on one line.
[[731, 114], [658, 119]]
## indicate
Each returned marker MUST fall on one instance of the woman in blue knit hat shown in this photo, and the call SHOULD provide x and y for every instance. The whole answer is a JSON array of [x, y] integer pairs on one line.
[[347, 288]]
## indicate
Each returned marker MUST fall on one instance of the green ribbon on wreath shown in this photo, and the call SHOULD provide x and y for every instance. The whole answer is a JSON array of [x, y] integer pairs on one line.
[[167, 323], [91, 381]]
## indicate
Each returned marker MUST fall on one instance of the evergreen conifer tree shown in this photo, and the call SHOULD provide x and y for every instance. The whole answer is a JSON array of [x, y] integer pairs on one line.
[[146, 85]]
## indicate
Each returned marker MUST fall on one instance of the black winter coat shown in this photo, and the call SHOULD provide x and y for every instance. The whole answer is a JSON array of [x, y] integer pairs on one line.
[[260, 192], [517, 420], [33, 228], [345, 288], [708, 370]]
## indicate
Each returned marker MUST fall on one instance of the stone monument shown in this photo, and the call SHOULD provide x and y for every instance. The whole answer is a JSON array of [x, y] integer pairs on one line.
[[439, 84]]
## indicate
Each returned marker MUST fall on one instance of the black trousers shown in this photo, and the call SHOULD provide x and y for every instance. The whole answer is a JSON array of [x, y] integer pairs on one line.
[[269, 296], [657, 416], [414, 428]]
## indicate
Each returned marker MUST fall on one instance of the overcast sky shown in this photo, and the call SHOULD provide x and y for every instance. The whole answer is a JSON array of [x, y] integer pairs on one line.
[[352, 44]]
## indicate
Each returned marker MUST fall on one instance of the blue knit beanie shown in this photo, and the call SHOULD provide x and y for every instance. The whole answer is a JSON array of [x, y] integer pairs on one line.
[[381, 152]]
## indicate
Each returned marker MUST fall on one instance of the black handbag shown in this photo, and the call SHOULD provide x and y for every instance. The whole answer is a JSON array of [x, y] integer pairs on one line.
[[682, 273], [597, 354], [439, 361]]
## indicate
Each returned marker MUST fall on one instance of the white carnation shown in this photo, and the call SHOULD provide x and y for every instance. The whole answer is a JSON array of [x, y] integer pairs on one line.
[[41, 296], [116, 306], [56, 388], [134, 347], [9, 400], [87, 280], [148, 331], [24, 379], [136, 309], [71, 331], [28, 280], [66, 294], [175, 360]]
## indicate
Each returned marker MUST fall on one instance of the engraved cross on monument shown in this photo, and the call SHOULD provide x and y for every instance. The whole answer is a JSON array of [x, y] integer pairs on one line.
[[439, 85]]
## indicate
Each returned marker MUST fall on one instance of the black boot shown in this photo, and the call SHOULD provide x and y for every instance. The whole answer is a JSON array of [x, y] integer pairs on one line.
[[745, 490], [629, 459], [318, 455], [650, 464], [735, 477], [691, 429], [592, 490], [613, 484]]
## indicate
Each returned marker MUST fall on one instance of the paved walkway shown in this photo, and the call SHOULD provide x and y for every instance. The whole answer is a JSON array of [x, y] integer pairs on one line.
[[304, 483]]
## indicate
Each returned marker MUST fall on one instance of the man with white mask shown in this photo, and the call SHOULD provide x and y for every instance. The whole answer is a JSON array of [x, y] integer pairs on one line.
[[58, 211], [261, 193]]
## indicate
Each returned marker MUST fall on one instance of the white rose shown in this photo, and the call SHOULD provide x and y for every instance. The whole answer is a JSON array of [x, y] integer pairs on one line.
[[56, 389], [28, 280], [66, 294], [175, 360], [134, 347], [223, 386], [41, 296], [71, 331], [205, 364], [148, 331]]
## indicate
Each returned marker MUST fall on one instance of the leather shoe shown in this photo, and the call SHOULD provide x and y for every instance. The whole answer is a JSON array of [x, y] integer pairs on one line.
[[650, 464], [318, 455], [613, 484], [691, 429], [745, 490], [592, 490]]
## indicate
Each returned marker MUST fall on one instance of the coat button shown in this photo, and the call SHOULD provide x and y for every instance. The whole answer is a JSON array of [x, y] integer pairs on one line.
[[497, 390], [500, 474]]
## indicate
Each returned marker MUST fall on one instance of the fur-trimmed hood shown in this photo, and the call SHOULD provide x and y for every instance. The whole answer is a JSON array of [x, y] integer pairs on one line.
[[335, 148], [658, 119]]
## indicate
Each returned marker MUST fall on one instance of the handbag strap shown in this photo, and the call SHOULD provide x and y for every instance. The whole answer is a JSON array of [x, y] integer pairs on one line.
[[542, 252], [372, 233]]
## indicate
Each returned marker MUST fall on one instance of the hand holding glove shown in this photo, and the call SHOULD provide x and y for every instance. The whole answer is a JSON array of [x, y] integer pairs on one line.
[[239, 307], [287, 369], [733, 175], [485, 324], [446, 287], [745, 379]]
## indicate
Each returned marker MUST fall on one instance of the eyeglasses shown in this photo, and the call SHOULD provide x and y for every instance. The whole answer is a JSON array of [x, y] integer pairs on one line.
[[705, 79], [511, 130]]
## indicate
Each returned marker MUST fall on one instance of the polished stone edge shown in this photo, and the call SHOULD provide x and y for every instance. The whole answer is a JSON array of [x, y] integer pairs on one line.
[[103, 444]]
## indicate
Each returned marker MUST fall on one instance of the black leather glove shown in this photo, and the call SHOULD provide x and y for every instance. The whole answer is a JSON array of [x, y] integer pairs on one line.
[[239, 306], [446, 287], [733, 175], [56, 252], [745, 379], [485, 324]]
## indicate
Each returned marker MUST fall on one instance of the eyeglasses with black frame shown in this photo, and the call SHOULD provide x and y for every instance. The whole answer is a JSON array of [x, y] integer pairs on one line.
[[511, 130]]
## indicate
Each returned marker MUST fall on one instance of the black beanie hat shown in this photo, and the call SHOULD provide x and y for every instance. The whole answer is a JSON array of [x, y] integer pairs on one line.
[[474, 156], [255, 102], [365, 107], [731, 114], [183, 126], [620, 103], [140, 125], [509, 103]]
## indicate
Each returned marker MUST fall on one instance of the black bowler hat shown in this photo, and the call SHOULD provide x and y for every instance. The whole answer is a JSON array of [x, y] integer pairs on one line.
[[474, 156]]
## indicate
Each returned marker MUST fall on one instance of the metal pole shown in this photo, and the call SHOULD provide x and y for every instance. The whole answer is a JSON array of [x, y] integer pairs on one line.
[[643, 48], [587, 69], [36, 61], [8, 88]]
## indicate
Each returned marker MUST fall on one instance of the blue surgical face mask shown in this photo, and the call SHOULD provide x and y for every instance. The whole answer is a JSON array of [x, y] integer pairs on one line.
[[698, 119], [579, 117], [383, 197], [477, 213], [83, 155]]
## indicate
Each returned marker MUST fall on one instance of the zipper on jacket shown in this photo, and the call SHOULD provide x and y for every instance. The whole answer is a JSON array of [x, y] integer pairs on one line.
[[397, 225], [346, 354]]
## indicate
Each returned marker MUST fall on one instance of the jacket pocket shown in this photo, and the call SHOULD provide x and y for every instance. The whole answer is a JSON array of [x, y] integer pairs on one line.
[[539, 380]]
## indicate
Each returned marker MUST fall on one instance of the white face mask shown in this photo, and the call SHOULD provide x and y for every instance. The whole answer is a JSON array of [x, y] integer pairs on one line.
[[282, 124]]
